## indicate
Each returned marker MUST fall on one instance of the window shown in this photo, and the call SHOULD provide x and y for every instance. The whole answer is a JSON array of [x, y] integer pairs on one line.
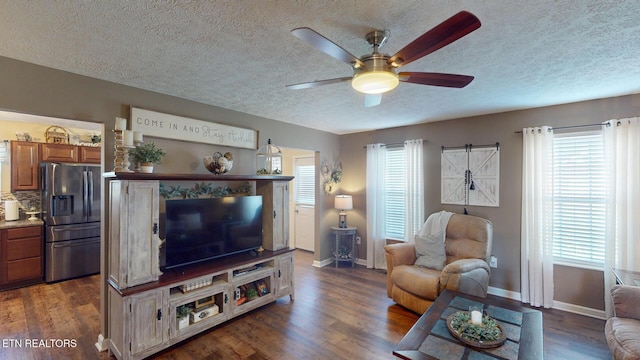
[[305, 179], [394, 196], [579, 192]]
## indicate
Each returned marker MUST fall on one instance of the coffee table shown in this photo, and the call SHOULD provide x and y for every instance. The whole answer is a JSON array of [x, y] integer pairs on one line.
[[429, 337]]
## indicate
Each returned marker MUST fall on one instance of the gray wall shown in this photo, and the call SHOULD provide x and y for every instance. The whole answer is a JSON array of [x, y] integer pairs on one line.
[[38, 90], [33, 89], [574, 286]]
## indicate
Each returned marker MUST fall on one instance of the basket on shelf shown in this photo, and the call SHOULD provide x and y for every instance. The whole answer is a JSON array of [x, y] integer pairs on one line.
[[56, 135]]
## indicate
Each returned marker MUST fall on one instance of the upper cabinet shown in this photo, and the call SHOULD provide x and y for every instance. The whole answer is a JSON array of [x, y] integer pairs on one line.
[[24, 165], [89, 155], [26, 156], [134, 243], [275, 213], [59, 153]]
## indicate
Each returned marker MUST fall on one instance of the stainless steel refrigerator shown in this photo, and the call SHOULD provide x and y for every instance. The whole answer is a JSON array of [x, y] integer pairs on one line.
[[71, 212]]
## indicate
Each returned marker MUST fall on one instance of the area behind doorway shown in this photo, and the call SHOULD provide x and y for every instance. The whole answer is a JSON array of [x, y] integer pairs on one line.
[[301, 165]]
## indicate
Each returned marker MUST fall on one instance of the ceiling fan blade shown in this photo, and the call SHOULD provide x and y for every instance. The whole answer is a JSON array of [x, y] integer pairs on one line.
[[371, 100], [326, 46], [312, 84], [436, 79], [440, 36]]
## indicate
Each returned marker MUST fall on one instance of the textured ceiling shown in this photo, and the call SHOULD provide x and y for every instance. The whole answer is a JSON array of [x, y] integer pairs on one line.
[[240, 54]]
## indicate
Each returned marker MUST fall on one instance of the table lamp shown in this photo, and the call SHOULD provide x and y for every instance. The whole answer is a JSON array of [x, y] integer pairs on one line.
[[342, 203]]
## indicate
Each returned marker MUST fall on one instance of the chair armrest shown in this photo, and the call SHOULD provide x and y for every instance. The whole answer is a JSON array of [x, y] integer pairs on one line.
[[456, 268], [398, 254], [626, 301]]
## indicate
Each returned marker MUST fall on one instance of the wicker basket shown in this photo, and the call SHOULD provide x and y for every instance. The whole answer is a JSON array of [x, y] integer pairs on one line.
[[56, 135]]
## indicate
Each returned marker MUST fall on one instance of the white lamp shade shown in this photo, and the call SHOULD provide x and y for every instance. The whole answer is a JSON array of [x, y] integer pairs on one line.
[[343, 202], [375, 82]]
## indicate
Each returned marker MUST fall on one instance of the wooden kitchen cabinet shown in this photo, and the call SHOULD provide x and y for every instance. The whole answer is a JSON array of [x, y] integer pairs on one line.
[[89, 155], [24, 165], [59, 153], [21, 256], [70, 153]]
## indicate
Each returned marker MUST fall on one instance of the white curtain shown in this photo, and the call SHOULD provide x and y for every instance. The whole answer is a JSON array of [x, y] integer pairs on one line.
[[622, 231], [537, 217], [376, 236], [414, 188]]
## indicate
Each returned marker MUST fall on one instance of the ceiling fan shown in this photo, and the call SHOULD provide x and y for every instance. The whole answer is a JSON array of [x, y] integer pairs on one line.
[[376, 74]]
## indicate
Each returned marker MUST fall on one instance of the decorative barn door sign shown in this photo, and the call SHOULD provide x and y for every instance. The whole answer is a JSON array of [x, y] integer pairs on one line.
[[471, 175]]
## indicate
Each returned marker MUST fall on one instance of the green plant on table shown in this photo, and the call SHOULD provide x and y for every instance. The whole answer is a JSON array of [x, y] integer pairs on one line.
[[486, 332]]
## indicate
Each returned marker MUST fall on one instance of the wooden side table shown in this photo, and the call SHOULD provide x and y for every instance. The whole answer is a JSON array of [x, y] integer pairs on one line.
[[343, 253]]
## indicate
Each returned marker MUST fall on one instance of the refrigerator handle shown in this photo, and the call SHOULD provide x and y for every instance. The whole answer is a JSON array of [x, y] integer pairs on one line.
[[90, 193], [85, 194]]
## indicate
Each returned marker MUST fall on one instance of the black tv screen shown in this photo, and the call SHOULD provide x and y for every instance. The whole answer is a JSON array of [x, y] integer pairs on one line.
[[203, 229]]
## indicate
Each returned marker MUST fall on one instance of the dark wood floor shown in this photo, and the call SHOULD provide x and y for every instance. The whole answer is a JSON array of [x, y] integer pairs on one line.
[[338, 314]]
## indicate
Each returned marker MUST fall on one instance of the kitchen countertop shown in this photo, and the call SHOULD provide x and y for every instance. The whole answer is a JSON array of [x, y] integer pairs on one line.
[[20, 223]]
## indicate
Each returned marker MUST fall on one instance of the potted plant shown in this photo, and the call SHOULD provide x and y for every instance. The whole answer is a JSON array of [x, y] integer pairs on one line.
[[147, 155], [251, 294], [182, 315]]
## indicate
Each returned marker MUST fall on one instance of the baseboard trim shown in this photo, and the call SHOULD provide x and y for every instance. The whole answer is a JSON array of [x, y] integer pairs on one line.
[[322, 263], [558, 305], [513, 295], [580, 310]]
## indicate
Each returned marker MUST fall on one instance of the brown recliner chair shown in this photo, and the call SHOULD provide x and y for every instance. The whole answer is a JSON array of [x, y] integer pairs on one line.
[[623, 330], [468, 248]]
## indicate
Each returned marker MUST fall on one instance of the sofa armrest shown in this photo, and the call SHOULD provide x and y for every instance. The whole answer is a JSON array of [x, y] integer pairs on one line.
[[470, 276], [626, 301], [398, 254]]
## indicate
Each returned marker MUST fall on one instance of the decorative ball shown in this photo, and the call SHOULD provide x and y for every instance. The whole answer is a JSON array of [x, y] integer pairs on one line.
[[218, 163]]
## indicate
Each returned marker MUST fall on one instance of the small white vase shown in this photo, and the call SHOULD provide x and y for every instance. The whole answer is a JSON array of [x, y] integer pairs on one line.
[[146, 167], [183, 322]]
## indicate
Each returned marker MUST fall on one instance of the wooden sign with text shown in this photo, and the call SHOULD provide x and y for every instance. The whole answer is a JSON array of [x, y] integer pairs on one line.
[[151, 123]]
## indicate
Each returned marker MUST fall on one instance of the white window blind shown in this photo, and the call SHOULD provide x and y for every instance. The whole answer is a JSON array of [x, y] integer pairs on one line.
[[579, 193], [304, 181], [395, 192]]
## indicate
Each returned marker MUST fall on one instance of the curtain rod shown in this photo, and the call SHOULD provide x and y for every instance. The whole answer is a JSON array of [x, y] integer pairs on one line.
[[469, 146], [570, 127], [395, 144]]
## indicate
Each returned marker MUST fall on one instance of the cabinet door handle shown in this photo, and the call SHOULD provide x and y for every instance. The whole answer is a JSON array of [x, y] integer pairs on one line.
[[279, 274], [159, 315], [155, 228], [226, 298], [274, 214]]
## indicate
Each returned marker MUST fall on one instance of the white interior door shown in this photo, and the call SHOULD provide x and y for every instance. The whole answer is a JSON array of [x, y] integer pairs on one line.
[[304, 189]]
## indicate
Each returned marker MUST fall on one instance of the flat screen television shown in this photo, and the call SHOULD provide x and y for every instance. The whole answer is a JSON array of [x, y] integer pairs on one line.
[[198, 230]]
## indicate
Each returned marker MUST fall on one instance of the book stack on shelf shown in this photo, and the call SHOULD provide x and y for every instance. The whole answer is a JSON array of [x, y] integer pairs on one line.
[[250, 291]]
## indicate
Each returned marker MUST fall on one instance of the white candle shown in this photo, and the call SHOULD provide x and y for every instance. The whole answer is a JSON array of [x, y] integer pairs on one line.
[[137, 136], [121, 124], [127, 137], [476, 317]]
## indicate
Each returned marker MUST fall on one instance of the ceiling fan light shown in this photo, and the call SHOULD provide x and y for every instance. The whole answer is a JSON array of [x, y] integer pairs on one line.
[[375, 82]]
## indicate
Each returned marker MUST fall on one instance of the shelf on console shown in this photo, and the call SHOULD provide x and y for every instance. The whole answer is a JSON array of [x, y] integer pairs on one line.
[[197, 177], [176, 276]]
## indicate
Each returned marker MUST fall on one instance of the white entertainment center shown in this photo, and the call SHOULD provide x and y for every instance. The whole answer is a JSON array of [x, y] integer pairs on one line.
[[143, 302]]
